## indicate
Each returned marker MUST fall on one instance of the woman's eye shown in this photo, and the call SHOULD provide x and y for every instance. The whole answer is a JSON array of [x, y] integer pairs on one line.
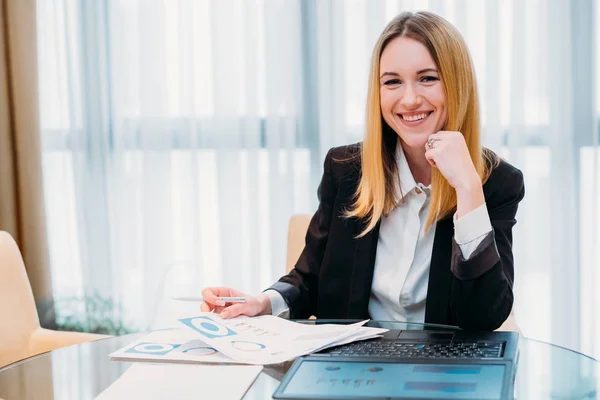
[[392, 82], [429, 79]]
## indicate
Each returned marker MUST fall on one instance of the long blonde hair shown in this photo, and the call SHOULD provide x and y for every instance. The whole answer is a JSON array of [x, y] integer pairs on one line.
[[376, 195]]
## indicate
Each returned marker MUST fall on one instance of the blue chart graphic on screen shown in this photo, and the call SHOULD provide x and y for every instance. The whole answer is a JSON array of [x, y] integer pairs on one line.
[[445, 387], [207, 327], [356, 379], [156, 349], [449, 369]]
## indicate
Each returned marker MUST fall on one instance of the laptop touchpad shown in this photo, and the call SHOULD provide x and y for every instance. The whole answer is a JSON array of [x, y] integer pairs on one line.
[[426, 335]]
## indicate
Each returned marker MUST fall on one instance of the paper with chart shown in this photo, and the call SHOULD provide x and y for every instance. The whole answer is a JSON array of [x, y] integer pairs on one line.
[[270, 340], [170, 345], [207, 338]]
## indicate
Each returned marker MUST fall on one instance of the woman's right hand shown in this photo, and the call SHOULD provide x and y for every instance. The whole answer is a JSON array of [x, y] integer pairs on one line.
[[254, 305]]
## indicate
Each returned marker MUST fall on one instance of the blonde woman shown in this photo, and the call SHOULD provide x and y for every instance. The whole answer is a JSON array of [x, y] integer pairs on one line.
[[414, 223]]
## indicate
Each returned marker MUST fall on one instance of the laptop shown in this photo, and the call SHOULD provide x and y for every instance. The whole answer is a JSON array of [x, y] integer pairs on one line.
[[409, 364]]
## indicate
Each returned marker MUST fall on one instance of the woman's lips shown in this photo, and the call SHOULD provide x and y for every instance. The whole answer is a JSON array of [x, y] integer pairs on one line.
[[416, 122]]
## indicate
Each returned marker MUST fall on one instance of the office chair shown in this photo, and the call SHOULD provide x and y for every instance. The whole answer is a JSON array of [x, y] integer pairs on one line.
[[295, 244], [20, 329]]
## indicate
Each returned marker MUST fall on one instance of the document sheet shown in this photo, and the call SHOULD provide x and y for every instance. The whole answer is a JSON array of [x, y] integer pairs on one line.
[[248, 340], [160, 381]]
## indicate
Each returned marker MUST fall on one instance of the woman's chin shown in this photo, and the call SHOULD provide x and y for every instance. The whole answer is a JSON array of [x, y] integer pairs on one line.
[[414, 141]]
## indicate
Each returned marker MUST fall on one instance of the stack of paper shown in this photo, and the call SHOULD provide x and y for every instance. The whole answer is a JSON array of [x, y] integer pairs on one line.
[[257, 340]]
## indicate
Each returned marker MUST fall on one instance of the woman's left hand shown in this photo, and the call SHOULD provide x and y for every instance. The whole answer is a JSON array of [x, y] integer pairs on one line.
[[448, 152]]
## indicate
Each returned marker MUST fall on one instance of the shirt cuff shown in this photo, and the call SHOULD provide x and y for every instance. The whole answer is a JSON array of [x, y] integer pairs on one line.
[[471, 229], [279, 307], [472, 226]]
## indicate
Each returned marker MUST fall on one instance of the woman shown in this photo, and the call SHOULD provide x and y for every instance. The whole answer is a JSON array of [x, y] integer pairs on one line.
[[414, 223]]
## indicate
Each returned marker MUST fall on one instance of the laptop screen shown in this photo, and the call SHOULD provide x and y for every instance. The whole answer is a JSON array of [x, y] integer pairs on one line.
[[350, 379]]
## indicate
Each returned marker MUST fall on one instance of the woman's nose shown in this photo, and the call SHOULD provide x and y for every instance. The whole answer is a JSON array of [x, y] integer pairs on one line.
[[410, 97]]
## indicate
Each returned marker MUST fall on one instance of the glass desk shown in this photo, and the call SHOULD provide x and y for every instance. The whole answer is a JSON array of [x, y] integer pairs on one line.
[[83, 371]]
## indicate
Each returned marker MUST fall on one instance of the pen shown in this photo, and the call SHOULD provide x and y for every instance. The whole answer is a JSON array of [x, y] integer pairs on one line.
[[223, 299]]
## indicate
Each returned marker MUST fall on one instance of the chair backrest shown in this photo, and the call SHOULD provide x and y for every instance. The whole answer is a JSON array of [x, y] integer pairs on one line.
[[295, 244], [296, 239], [17, 307]]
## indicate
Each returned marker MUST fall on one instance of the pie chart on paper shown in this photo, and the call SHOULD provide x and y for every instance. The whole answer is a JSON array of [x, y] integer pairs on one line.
[[201, 351], [247, 346]]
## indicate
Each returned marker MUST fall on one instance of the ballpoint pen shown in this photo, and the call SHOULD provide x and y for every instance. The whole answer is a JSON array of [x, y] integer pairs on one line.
[[200, 298]]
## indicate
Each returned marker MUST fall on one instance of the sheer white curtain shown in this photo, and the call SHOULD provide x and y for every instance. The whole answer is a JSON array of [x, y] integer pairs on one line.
[[173, 147], [180, 135]]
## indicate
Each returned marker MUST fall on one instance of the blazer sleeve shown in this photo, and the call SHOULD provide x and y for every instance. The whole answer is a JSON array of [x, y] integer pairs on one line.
[[481, 296], [299, 288]]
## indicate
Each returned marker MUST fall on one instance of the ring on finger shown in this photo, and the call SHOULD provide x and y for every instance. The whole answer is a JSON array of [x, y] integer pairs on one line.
[[431, 143]]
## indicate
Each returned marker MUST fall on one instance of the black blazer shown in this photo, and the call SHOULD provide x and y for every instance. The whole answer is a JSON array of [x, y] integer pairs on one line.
[[333, 276]]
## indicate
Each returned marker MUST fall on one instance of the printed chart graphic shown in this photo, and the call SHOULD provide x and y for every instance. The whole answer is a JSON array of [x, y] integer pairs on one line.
[[183, 344], [157, 349], [201, 351], [197, 348], [247, 346], [208, 327], [267, 339]]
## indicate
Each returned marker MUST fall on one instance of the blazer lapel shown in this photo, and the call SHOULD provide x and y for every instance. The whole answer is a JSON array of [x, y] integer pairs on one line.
[[362, 272], [440, 278]]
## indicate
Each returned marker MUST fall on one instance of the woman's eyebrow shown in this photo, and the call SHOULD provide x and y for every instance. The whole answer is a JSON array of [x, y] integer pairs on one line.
[[388, 73], [422, 71], [427, 70]]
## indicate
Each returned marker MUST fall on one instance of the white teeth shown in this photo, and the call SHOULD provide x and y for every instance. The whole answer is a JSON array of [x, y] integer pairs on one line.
[[414, 117]]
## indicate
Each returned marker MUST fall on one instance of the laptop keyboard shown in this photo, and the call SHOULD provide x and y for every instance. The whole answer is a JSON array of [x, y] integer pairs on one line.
[[391, 348]]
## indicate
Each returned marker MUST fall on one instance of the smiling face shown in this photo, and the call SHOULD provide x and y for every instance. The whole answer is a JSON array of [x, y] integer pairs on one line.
[[412, 97]]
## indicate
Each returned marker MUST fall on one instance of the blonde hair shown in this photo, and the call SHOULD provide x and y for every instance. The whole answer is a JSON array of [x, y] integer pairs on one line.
[[376, 194]]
